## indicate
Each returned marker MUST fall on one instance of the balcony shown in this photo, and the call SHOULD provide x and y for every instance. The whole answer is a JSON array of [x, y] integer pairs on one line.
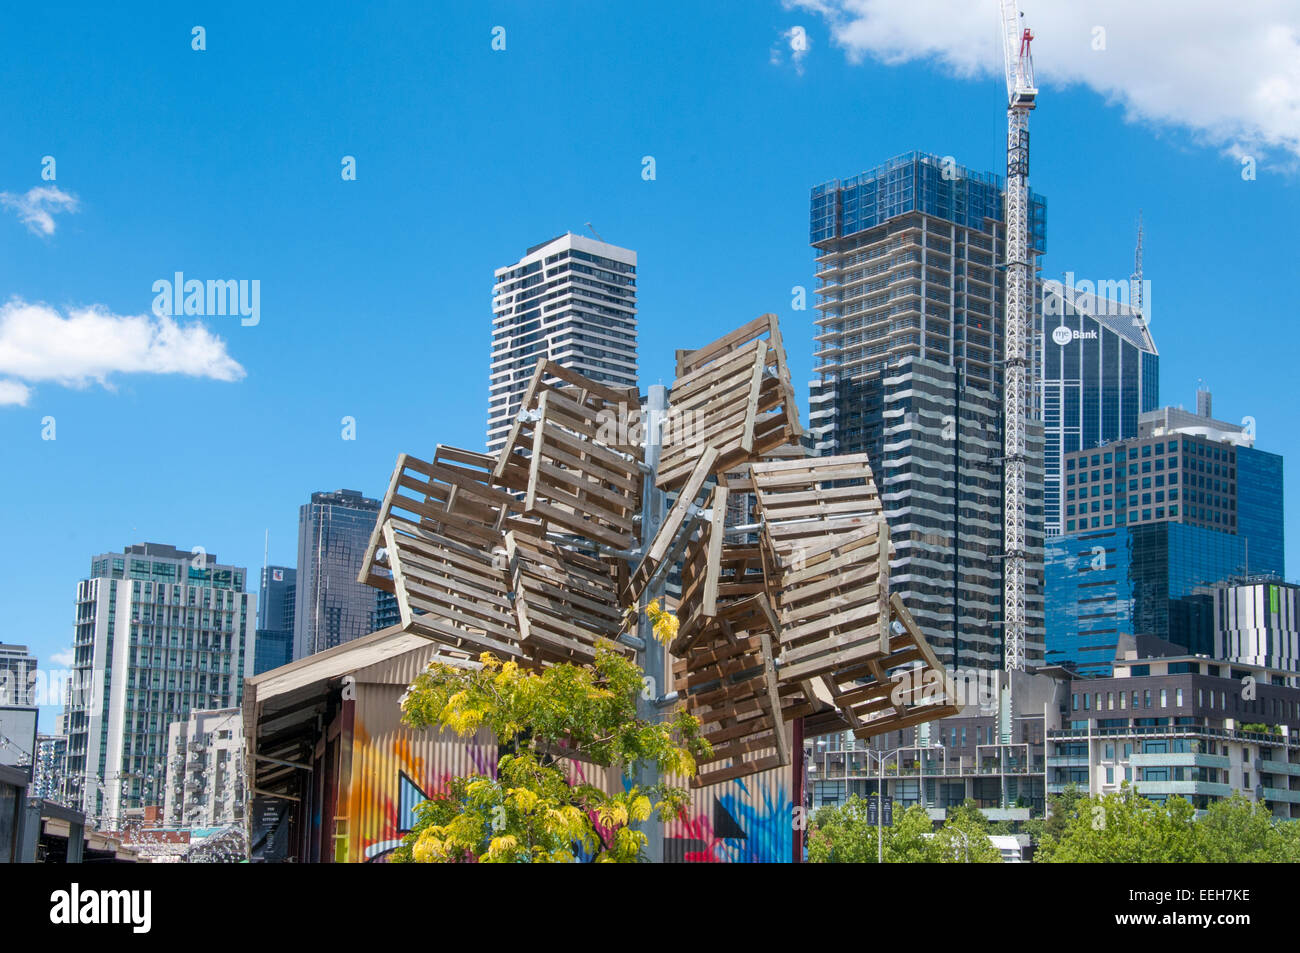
[[1183, 788], [1280, 794], [1269, 766], [1178, 759]]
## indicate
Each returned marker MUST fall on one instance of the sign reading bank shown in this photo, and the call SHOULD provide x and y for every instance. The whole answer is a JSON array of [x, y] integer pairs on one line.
[[1063, 335]]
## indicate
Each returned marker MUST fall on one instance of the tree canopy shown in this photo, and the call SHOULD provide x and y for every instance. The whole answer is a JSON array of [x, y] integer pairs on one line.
[[532, 810], [843, 835], [1123, 827]]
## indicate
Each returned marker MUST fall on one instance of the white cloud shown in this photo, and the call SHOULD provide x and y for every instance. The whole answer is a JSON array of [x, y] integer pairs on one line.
[[37, 208], [1228, 73], [12, 392], [797, 42], [63, 659], [37, 344]]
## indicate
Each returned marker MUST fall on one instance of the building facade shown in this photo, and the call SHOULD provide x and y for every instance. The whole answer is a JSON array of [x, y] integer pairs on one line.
[[48, 776], [205, 770], [331, 607], [159, 632], [1258, 623], [17, 675], [908, 354], [1182, 726], [275, 614], [571, 300], [1152, 579], [1100, 373]]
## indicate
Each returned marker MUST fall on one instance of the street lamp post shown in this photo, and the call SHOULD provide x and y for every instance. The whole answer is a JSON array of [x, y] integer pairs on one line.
[[880, 760]]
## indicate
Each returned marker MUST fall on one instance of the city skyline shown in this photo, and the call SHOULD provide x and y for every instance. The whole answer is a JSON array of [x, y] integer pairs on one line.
[[239, 456]]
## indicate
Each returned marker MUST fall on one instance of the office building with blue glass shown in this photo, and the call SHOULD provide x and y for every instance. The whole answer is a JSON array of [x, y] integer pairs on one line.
[[275, 611], [1100, 374], [1153, 524], [907, 363]]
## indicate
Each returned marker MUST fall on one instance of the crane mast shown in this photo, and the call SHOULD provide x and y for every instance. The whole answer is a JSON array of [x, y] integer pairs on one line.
[[1017, 325]]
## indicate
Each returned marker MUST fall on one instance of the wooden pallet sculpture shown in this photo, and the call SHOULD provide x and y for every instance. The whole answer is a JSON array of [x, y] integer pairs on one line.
[[785, 609], [584, 467], [733, 395]]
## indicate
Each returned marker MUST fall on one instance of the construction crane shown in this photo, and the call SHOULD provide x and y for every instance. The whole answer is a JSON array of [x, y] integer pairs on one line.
[[1021, 95]]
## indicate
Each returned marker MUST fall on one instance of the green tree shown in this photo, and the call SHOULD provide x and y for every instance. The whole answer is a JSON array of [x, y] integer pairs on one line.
[[531, 811], [844, 835], [964, 836], [1238, 830], [1123, 827]]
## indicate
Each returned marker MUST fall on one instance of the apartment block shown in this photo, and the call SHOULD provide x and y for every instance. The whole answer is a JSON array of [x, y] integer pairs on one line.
[[571, 300], [205, 770], [159, 632]]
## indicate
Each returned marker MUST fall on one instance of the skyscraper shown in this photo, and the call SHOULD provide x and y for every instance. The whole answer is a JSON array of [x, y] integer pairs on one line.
[[571, 300], [331, 607], [1100, 372], [908, 352], [1152, 525], [275, 612], [159, 632]]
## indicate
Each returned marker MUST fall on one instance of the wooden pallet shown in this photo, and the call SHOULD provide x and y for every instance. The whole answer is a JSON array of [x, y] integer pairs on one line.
[[565, 602], [804, 501], [907, 686], [584, 474], [729, 682], [453, 496], [733, 395], [833, 603], [451, 592], [715, 573]]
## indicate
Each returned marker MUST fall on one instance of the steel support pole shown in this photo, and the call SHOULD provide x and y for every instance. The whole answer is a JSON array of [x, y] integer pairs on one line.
[[652, 657]]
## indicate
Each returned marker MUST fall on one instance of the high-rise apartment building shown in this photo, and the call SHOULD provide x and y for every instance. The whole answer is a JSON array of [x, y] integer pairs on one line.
[[17, 675], [275, 612], [571, 300], [331, 607], [159, 632], [205, 770], [1100, 373], [908, 354]]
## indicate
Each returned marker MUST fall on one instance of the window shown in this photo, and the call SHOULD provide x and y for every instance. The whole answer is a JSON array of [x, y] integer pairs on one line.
[[1178, 698], [1164, 698], [1146, 698]]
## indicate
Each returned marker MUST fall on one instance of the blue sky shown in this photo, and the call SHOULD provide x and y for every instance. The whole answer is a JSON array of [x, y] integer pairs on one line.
[[376, 294]]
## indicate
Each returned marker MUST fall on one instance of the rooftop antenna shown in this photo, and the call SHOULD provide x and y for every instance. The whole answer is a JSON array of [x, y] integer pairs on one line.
[[596, 233], [1135, 281]]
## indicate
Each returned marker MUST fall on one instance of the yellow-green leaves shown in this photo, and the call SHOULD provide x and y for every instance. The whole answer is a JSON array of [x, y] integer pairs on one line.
[[532, 811]]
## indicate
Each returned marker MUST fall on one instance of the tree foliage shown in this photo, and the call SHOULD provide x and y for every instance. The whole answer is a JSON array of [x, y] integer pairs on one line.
[[532, 811], [843, 835], [1123, 827]]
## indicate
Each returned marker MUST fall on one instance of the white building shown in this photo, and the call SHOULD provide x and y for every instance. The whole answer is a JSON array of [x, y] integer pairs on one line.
[[571, 300], [159, 632], [1258, 623], [205, 770]]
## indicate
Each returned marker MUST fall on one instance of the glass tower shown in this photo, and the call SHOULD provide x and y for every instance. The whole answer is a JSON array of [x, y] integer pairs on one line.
[[1100, 373], [331, 607]]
